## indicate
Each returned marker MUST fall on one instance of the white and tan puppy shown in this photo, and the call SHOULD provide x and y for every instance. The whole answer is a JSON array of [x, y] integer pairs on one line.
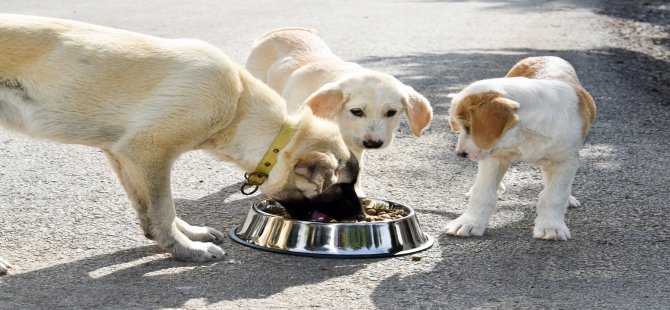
[[145, 100], [538, 113], [366, 104]]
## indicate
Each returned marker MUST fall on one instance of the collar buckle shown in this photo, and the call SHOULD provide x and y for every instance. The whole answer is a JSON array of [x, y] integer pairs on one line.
[[255, 179]]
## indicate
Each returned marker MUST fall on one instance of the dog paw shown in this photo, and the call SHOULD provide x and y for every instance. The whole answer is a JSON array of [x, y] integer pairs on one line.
[[4, 266], [195, 251], [359, 190], [361, 193], [466, 226], [501, 189], [199, 233], [203, 234], [556, 231], [574, 203]]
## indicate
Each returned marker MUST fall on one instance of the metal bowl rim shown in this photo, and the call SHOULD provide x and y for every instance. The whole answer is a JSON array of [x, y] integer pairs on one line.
[[411, 214]]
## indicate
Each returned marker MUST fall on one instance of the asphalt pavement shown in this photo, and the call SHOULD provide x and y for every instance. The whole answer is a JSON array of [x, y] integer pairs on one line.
[[73, 239]]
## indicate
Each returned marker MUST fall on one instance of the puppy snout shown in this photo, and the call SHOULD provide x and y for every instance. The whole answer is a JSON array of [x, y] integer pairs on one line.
[[373, 144], [462, 154]]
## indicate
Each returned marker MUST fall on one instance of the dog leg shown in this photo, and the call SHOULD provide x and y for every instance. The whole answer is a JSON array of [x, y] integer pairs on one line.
[[140, 209], [4, 266], [199, 233], [554, 199], [146, 179], [358, 187], [574, 203], [482, 201], [500, 189]]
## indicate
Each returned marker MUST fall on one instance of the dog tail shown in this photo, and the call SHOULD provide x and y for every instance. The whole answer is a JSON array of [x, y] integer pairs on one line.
[[275, 31], [273, 46]]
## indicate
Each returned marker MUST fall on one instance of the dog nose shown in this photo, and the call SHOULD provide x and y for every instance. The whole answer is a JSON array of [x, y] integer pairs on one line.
[[462, 154], [373, 144]]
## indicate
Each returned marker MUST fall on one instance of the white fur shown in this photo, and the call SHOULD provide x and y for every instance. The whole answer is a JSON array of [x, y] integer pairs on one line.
[[548, 133], [144, 101], [300, 66]]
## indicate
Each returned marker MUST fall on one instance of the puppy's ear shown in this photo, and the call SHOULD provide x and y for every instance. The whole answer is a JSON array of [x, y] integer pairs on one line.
[[454, 126], [319, 169], [489, 119], [327, 101], [418, 109]]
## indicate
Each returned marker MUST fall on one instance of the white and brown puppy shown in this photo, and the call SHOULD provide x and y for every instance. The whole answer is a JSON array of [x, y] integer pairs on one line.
[[366, 104], [538, 113], [145, 100]]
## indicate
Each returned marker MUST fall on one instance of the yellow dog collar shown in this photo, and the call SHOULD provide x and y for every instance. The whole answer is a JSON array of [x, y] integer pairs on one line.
[[256, 178]]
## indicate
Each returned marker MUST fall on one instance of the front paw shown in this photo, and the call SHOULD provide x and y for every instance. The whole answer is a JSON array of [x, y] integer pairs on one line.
[[466, 226], [194, 251], [4, 266], [359, 190], [551, 230], [203, 234], [574, 203], [501, 189], [199, 233]]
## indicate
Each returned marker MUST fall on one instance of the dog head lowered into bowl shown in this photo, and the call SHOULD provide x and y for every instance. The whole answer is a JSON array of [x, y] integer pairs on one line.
[[314, 177]]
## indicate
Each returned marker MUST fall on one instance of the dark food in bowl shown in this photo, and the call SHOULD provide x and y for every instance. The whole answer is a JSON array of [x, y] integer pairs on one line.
[[375, 211]]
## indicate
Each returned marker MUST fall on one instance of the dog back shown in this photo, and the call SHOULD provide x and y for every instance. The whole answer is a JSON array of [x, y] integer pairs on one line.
[[556, 68]]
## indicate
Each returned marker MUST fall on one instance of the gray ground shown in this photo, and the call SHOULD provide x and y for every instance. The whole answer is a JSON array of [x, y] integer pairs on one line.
[[68, 229]]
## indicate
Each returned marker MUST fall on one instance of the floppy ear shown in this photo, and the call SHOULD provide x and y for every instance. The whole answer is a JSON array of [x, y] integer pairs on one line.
[[489, 119], [326, 101], [419, 112], [454, 126], [319, 169]]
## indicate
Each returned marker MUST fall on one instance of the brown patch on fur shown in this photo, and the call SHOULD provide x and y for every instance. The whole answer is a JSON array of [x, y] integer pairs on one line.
[[454, 126], [485, 117], [533, 68], [419, 113], [587, 109], [528, 67], [319, 169]]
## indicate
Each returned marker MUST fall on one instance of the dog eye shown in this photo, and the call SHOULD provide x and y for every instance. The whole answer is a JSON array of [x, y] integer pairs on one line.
[[466, 128], [391, 113], [357, 112]]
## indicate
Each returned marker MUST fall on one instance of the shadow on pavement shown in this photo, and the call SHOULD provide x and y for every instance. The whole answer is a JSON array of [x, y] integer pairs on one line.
[[651, 11], [620, 234], [144, 277]]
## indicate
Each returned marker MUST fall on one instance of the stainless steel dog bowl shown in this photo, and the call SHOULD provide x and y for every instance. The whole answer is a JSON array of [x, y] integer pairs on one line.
[[266, 231]]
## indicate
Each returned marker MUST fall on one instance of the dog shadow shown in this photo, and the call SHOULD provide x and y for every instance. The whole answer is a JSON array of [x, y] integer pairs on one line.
[[144, 276]]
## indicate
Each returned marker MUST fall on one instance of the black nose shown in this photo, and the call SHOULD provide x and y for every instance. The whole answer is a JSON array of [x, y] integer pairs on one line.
[[373, 144], [462, 154]]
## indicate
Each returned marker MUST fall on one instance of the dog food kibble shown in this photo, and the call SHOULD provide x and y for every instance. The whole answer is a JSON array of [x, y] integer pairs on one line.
[[375, 211]]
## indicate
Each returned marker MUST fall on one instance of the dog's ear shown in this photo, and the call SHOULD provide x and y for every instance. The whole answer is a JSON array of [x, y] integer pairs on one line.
[[418, 110], [454, 126], [489, 119], [327, 101], [319, 170]]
